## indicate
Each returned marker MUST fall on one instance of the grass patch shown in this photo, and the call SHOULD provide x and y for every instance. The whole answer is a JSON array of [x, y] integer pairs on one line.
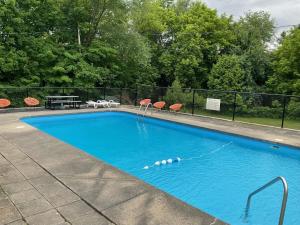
[[293, 124], [288, 123]]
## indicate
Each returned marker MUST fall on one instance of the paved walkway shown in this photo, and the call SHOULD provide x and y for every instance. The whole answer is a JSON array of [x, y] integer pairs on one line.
[[44, 181]]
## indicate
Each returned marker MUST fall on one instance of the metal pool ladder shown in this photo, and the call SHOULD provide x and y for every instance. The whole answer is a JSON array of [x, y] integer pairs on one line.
[[284, 198], [146, 109]]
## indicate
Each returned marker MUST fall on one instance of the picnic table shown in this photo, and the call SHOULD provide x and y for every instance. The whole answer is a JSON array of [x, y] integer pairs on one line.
[[61, 101]]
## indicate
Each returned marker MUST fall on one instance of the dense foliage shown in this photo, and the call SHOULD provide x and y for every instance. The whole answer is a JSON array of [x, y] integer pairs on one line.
[[286, 65], [230, 74], [122, 43]]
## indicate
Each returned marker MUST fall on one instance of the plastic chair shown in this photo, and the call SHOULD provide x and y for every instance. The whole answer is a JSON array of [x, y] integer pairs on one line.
[[159, 105], [29, 101], [176, 107], [4, 103]]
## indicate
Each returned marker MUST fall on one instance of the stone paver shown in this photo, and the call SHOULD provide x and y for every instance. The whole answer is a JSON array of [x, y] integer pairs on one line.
[[75, 210], [51, 217], [9, 174], [25, 196], [57, 194], [17, 187], [33, 207], [86, 167], [105, 193], [18, 222], [91, 219], [8, 213], [156, 208], [78, 213], [12, 154], [3, 161], [42, 180], [2, 194], [30, 169]]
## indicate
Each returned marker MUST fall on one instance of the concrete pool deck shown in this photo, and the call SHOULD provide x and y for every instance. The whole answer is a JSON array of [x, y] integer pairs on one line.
[[46, 182]]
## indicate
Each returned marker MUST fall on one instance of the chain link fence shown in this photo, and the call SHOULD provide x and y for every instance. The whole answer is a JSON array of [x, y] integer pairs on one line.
[[260, 108]]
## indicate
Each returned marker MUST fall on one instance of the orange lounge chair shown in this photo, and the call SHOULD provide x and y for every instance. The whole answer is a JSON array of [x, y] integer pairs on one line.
[[31, 101], [145, 102], [4, 103], [159, 105], [176, 107]]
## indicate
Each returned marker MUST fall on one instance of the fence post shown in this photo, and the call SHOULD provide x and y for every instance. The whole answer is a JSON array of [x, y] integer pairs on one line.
[[136, 95], [161, 93], [193, 106], [121, 93], [104, 92], [283, 111], [234, 107], [87, 94]]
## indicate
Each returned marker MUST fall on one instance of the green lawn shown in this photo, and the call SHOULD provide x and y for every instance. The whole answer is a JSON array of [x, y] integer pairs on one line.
[[292, 124]]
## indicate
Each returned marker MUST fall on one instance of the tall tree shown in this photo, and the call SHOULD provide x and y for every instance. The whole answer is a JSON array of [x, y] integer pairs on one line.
[[186, 38], [286, 65], [230, 74], [254, 31], [65, 43]]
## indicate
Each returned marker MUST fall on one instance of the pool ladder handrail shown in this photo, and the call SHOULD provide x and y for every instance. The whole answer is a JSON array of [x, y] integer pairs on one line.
[[146, 109], [284, 198]]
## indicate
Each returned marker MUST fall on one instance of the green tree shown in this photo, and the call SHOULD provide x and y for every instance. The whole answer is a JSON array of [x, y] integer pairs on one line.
[[186, 39], [253, 33], [123, 43], [66, 43], [175, 93], [230, 74], [201, 36], [286, 65]]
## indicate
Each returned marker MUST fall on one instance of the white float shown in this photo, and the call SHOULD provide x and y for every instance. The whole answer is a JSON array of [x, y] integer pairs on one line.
[[157, 163]]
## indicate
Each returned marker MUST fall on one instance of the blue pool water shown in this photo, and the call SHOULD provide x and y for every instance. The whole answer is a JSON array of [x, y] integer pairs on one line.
[[217, 172]]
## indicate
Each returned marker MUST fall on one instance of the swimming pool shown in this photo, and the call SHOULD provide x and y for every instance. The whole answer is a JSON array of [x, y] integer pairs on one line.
[[217, 170]]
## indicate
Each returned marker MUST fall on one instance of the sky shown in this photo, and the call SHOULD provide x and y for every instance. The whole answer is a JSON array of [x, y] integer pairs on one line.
[[285, 12]]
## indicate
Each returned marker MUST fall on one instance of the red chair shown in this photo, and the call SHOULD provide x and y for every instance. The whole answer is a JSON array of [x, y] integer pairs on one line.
[[29, 101], [4, 103], [145, 102], [159, 105], [176, 107]]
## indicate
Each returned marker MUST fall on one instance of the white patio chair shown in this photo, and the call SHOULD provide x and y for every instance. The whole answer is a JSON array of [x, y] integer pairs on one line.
[[97, 104], [112, 103]]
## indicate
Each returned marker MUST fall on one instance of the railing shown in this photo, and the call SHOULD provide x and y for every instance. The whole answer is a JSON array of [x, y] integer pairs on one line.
[[284, 198], [260, 108], [147, 107], [145, 110]]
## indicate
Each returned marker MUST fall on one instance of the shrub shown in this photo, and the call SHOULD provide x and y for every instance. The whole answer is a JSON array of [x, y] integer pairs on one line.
[[176, 94], [293, 110]]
